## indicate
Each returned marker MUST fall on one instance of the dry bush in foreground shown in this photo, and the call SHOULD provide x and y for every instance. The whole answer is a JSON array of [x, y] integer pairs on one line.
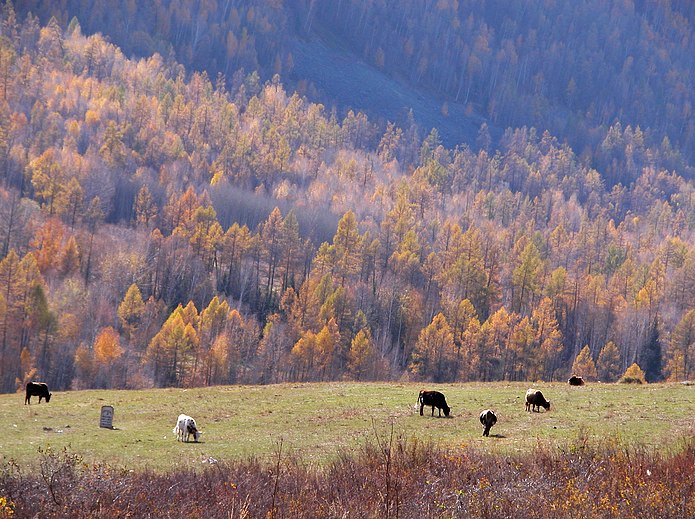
[[386, 478]]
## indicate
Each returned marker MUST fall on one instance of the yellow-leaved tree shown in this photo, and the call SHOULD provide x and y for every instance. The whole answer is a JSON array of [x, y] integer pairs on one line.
[[633, 375], [172, 351], [434, 356], [608, 363], [680, 356], [584, 365], [107, 351], [130, 311], [362, 357]]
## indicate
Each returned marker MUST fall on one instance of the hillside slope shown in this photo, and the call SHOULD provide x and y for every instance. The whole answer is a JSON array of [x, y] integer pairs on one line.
[[343, 80]]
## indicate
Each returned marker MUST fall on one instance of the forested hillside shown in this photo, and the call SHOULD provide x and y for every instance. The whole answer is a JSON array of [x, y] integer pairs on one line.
[[572, 67], [162, 228]]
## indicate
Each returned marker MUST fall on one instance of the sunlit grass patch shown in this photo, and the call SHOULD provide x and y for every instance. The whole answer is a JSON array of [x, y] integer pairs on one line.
[[317, 421]]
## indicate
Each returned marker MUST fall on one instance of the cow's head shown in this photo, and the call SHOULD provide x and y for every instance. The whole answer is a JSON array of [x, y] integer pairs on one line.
[[192, 429], [48, 397], [446, 410]]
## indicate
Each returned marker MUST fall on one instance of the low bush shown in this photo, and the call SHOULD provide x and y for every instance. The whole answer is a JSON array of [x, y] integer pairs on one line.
[[386, 478]]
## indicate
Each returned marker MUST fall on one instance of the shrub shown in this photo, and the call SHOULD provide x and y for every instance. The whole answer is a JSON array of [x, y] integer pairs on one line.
[[633, 375], [391, 477]]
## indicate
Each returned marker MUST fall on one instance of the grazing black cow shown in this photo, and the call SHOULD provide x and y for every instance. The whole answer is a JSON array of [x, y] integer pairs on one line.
[[39, 389], [435, 399], [536, 400], [575, 380], [488, 418]]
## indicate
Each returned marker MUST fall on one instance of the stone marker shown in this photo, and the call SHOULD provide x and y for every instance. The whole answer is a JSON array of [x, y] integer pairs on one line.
[[106, 420]]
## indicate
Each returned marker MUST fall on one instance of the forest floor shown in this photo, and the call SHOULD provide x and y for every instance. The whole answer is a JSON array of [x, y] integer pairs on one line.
[[319, 421]]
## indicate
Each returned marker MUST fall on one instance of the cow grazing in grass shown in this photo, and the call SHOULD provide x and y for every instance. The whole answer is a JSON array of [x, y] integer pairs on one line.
[[488, 418], [575, 380], [39, 389], [535, 400], [185, 426], [434, 399]]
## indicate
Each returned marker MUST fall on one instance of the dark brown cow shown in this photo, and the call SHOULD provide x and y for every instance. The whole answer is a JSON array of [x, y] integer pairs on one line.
[[39, 389], [488, 418], [535, 400], [435, 399], [575, 380]]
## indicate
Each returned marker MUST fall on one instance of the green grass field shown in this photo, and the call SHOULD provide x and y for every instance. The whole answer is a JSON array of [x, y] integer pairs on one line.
[[318, 421]]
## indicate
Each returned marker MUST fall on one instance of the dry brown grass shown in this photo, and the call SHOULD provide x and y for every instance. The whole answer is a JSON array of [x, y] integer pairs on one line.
[[388, 477]]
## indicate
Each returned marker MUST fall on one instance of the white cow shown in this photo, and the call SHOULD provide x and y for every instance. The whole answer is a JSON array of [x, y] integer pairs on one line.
[[185, 426]]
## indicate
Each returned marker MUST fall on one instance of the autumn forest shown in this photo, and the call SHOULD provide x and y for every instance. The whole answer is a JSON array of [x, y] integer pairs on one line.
[[162, 225]]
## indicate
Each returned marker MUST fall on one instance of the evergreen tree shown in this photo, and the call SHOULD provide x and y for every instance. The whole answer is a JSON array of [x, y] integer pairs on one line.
[[650, 358]]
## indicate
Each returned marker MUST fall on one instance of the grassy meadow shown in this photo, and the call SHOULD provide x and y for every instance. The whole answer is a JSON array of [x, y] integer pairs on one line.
[[317, 422]]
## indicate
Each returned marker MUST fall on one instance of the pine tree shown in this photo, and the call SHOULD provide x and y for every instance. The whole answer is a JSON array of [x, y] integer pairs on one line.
[[650, 356]]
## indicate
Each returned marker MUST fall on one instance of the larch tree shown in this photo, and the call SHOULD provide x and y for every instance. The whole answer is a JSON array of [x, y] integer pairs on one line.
[[107, 350], [584, 365], [460, 318], [234, 245], [271, 233], [172, 350], [206, 235], [292, 248], [520, 351], [84, 366], [526, 277], [48, 178], [547, 341], [608, 364], [633, 375], [69, 262], [18, 281], [405, 260], [70, 202], [217, 361], [47, 244], [304, 356], [471, 349], [131, 311], [680, 356], [346, 244], [272, 351], [362, 357], [434, 356], [494, 337], [145, 208], [330, 355], [28, 371]]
